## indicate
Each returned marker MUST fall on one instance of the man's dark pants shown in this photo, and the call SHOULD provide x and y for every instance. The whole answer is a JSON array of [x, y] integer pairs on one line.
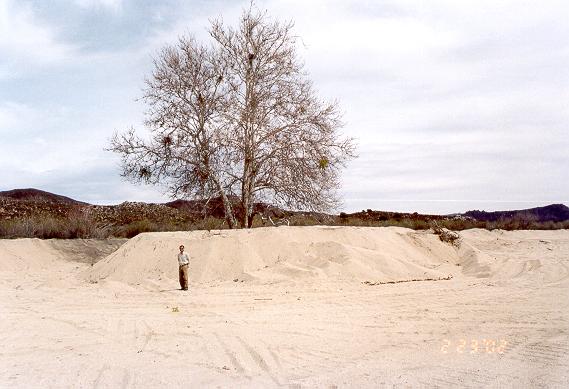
[[184, 277]]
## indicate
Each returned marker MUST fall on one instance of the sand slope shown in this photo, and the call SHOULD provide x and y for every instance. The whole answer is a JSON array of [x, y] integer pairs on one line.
[[523, 256], [357, 254], [36, 254], [282, 254], [26, 255]]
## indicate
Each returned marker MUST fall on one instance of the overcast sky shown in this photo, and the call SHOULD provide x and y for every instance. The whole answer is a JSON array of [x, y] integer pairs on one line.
[[456, 105]]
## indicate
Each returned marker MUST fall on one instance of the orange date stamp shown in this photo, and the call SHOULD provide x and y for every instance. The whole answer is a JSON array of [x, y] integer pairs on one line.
[[474, 346]]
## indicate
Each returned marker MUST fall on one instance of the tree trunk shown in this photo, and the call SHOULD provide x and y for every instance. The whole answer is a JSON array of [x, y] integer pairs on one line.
[[229, 216], [245, 199], [247, 194], [250, 204], [231, 222]]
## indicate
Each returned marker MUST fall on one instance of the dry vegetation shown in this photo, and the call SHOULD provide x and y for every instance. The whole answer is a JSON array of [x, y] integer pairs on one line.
[[48, 227], [446, 235], [88, 225], [44, 215]]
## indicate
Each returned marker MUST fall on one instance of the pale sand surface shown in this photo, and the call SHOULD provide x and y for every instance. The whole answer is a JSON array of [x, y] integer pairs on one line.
[[300, 318]]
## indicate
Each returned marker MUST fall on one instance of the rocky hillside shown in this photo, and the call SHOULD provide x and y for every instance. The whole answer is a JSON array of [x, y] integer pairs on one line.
[[550, 213], [120, 214], [32, 203]]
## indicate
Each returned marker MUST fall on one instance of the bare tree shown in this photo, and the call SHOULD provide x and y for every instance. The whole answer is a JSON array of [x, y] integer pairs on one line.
[[187, 96], [240, 119]]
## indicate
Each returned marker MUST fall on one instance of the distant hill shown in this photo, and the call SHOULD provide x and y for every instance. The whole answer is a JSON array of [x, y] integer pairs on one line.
[[31, 194], [550, 213]]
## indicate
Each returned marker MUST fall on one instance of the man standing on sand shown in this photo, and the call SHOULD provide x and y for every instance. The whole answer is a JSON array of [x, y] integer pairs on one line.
[[184, 262]]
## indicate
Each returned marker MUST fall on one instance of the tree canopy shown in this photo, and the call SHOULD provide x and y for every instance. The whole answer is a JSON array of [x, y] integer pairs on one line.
[[238, 118]]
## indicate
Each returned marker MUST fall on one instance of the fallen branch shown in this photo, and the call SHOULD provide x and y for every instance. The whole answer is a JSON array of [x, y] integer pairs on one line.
[[278, 223], [370, 283], [446, 235]]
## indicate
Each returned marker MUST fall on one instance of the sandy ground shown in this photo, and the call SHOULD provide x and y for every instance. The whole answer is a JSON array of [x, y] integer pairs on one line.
[[298, 315]]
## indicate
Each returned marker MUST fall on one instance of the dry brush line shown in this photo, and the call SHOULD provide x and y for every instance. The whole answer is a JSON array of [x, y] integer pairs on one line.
[[370, 283]]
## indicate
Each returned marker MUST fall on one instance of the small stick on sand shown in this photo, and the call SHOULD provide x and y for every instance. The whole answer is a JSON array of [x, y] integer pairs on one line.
[[400, 281]]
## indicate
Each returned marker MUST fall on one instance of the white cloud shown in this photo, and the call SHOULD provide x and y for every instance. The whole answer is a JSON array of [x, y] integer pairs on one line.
[[191, 20], [24, 41], [11, 115], [113, 5]]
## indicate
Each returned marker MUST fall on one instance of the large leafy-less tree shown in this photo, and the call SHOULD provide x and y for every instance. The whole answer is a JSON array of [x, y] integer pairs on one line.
[[238, 119]]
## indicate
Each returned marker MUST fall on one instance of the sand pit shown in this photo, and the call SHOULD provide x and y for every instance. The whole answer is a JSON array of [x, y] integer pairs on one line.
[[301, 318]]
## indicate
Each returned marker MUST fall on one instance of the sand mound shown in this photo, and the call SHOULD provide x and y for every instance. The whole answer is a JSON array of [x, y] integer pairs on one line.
[[515, 255], [284, 253], [269, 255], [37, 254], [26, 254]]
